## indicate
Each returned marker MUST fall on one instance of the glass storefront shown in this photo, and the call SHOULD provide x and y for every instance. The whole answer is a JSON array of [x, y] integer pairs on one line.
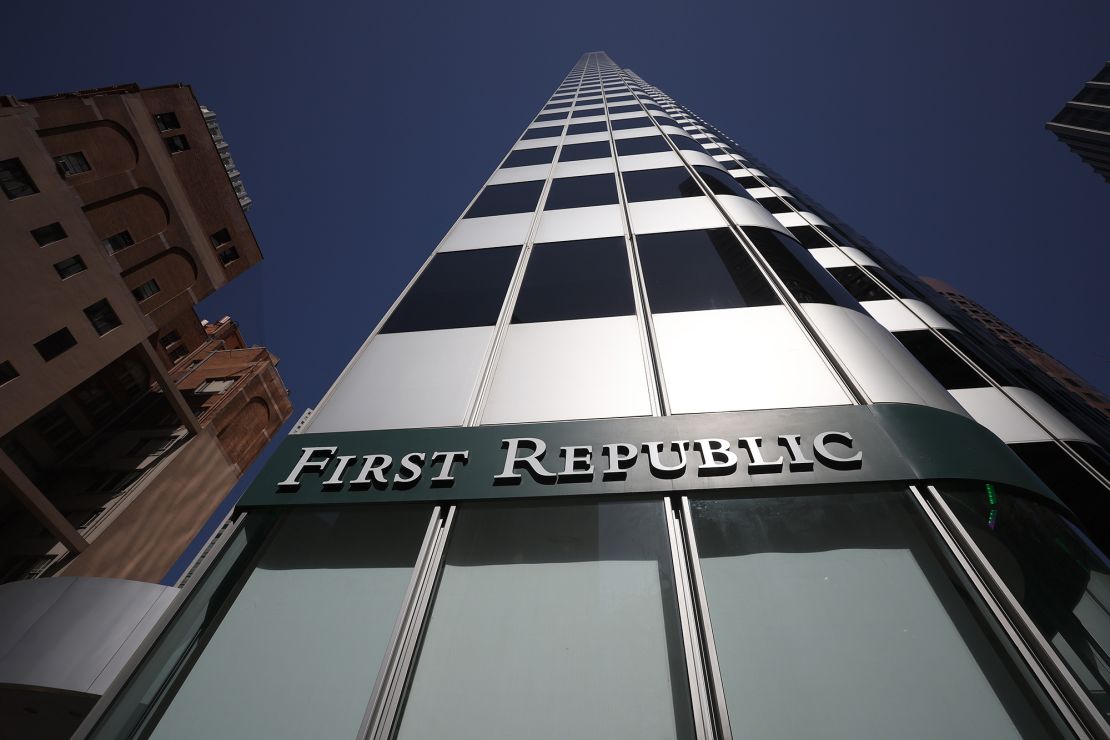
[[824, 611]]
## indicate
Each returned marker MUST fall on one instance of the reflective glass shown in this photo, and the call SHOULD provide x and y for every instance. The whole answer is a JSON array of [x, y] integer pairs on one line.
[[720, 182], [834, 617], [642, 145], [543, 132], [1051, 567], [457, 289], [700, 270], [524, 157], [553, 621], [593, 127], [627, 123], [588, 150], [941, 362], [297, 653], [806, 280], [578, 192], [583, 279], [513, 197], [668, 182]]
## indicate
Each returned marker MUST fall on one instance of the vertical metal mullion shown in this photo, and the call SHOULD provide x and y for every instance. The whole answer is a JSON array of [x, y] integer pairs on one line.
[[709, 646], [384, 725], [704, 725], [401, 626], [1041, 658]]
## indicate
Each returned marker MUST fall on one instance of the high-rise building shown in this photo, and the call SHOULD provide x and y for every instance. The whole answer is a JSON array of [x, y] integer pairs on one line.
[[648, 447], [125, 420], [1067, 379], [1084, 123]]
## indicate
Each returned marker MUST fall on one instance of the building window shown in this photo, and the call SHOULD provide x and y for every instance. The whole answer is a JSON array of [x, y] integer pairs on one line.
[[14, 179], [7, 372], [514, 197], [215, 385], [55, 344], [223, 236], [457, 289], [546, 591], [525, 157], [72, 164], [102, 317], [229, 255], [176, 143], [166, 121], [70, 266], [178, 352], [146, 290], [116, 242], [169, 338], [581, 192], [585, 279], [48, 234], [588, 150]]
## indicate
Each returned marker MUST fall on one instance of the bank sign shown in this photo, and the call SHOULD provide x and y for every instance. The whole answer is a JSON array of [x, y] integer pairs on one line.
[[634, 455]]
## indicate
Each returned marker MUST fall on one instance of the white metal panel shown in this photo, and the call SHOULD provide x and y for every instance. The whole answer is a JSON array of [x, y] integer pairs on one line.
[[487, 231], [739, 359], [410, 379], [885, 369], [599, 166], [991, 408], [675, 214], [520, 174], [592, 222], [561, 370], [799, 219], [584, 138], [653, 161], [893, 315]]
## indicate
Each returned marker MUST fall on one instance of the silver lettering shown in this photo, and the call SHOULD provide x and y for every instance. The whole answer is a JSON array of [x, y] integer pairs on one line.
[[622, 456], [530, 461], [758, 464], [307, 463], [655, 452], [449, 459], [828, 459], [717, 457], [578, 465], [793, 445], [410, 464], [373, 471], [336, 479]]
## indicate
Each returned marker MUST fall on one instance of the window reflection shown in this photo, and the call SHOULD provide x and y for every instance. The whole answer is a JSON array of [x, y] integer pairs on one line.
[[1056, 573], [833, 618]]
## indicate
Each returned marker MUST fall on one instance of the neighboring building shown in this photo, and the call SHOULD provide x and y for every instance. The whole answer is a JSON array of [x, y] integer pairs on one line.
[[1084, 123], [1070, 381], [233, 173], [649, 448], [124, 420]]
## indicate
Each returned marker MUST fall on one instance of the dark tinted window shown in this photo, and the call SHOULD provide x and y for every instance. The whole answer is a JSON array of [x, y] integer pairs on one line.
[[577, 192], [586, 112], [524, 157], [585, 279], [544, 132], [119, 241], [730, 164], [7, 372], [48, 234], [14, 180], [513, 197], [55, 344], [669, 182], [700, 270], [627, 123], [856, 282], [981, 357], [457, 289], [642, 145], [102, 317], [939, 360], [720, 182], [70, 266], [632, 108], [589, 150], [806, 280], [594, 127], [558, 106], [550, 117], [685, 142], [166, 121], [807, 235], [622, 96], [774, 204]]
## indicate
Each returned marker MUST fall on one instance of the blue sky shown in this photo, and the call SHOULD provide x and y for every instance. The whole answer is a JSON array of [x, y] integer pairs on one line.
[[363, 129]]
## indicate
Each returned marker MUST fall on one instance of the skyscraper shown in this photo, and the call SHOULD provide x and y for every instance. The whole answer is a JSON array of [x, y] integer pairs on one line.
[[649, 447], [1084, 123]]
